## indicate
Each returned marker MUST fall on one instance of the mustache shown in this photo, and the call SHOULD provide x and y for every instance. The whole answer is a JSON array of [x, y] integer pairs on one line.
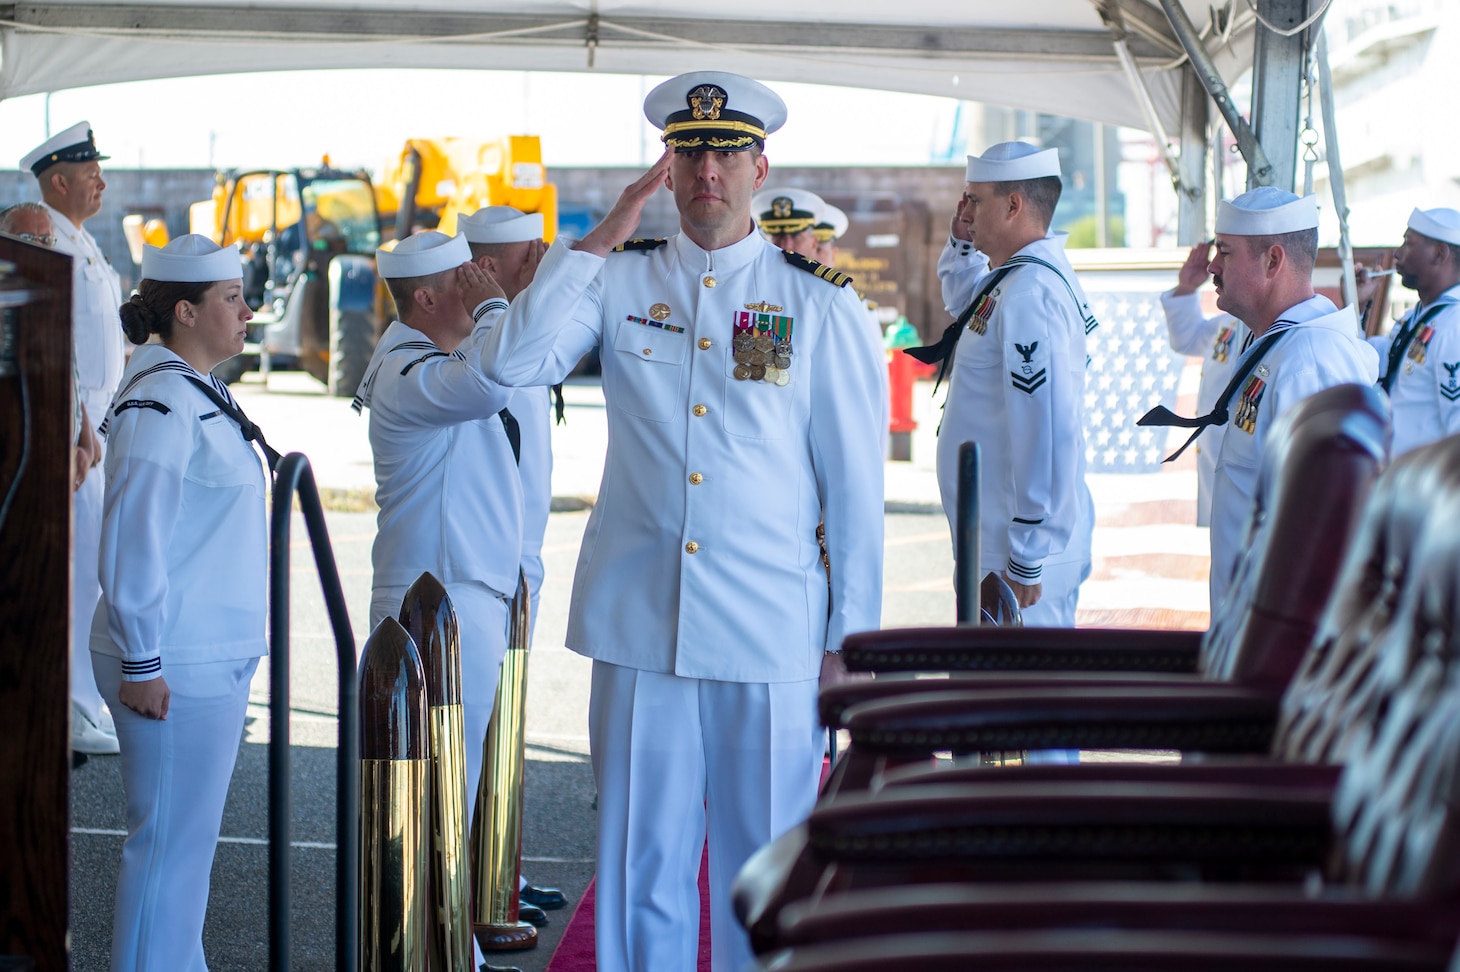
[[1217, 279]]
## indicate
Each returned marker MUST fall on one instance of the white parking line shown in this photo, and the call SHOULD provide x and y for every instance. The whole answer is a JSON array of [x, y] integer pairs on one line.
[[309, 845]]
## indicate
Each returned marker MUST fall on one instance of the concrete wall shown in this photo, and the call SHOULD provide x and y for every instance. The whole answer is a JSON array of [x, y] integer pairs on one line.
[[164, 193]]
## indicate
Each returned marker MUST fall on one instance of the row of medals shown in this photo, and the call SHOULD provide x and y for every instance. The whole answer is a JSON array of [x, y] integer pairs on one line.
[[760, 357]]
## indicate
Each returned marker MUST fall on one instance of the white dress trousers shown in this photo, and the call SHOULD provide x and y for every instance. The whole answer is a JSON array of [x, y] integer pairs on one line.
[[739, 747], [176, 771]]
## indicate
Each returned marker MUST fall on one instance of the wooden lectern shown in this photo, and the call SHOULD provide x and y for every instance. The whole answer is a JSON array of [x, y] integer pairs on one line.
[[36, 416]]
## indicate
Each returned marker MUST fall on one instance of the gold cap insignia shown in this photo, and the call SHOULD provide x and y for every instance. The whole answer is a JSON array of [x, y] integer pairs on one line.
[[781, 207], [706, 102]]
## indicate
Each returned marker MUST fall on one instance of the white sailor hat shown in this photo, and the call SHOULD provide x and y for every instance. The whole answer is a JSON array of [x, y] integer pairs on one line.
[[714, 111], [422, 255], [75, 144], [500, 224], [1267, 211], [1013, 162], [1437, 224], [191, 259], [833, 225], [786, 211]]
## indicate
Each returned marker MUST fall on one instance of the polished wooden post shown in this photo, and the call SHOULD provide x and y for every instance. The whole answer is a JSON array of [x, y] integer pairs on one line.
[[35, 609]]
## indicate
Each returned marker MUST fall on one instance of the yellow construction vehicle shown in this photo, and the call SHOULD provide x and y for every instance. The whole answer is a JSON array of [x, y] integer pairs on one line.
[[308, 239], [434, 180]]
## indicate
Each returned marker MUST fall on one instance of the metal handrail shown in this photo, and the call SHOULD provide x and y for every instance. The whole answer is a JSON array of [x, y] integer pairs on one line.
[[294, 476]]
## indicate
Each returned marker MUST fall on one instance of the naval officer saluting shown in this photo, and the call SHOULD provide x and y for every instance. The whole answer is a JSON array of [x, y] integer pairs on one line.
[[180, 626], [1266, 243], [735, 377]]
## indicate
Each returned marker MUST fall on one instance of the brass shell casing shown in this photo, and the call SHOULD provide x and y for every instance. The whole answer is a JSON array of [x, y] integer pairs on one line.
[[496, 833], [451, 884], [394, 864]]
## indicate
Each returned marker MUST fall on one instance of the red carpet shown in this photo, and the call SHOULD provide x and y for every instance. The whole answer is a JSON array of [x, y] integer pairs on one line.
[[575, 950]]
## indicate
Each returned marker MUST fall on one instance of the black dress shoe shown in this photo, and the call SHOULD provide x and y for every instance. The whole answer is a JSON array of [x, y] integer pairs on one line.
[[548, 899], [531, 914], [499, 968]]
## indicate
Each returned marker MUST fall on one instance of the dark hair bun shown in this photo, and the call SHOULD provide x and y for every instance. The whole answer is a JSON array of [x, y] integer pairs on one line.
[[138, 320]]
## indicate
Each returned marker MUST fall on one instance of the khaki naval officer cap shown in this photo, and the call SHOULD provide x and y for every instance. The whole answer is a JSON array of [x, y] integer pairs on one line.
[[422, 255], [191, 259], [75, 144], [1437, 224], [714, 111], [500, 224], [786, 211], [1013, 162], [1267, 211]]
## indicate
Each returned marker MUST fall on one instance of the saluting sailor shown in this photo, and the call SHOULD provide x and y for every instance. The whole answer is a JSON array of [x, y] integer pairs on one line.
[[508, 244], [1018, 380], [446, 477], [734, 376], [181, 623], [1266, 244], [1218, 340], [67, 166], [1419, 359]]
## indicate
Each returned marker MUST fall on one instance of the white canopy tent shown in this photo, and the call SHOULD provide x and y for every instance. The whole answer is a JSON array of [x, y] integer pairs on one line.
[[1052, 56]]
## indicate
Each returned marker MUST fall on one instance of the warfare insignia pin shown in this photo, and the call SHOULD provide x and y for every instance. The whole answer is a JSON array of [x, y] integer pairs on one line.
[[660, 312], [1263, 371], [706, 102], [765, 308]]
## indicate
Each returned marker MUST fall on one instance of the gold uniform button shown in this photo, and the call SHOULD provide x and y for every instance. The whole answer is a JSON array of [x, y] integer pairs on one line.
[[705, 344], [709, 281], [695, 479], [648, 351], [691, 547], [700, 411]]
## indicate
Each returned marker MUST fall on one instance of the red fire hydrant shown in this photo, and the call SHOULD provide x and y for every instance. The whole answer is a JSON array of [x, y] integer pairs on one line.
[[902, 371]]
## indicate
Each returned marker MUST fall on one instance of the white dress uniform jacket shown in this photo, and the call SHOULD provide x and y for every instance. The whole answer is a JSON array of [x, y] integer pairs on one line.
[[1218, 341], [1017, 389], [184, 543], [700, 557], [1322, 349], [1426, 395], [446, 482]]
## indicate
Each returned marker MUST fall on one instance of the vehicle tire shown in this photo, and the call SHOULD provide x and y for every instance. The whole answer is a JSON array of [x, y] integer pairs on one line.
[[352, 342]]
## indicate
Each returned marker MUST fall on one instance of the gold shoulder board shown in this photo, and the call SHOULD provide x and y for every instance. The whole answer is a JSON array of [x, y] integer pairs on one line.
[[640, 244], [830, 274]]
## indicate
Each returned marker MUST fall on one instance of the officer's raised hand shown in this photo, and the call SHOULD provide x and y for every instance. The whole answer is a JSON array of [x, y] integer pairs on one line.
[[1193, 272], [961, 226], [623, 218]]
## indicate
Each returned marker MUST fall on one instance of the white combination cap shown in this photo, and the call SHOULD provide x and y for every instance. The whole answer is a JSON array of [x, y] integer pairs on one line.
[[1013, 162], [500, 224], [422, 255], [833, 225], [192, 259], [714, 111], [787, 211], [1437, 224], [1267, 211], [75, 144]]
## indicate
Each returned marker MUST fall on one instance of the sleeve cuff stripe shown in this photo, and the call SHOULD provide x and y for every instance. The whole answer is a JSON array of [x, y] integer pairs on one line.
[[492, 303], [1024, 573], [142, 667]]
